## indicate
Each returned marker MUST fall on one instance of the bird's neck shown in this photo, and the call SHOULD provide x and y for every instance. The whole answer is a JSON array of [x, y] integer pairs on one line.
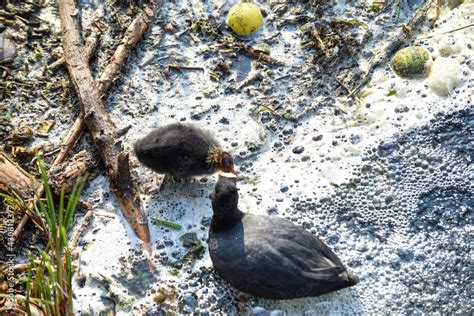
[[225, 219]]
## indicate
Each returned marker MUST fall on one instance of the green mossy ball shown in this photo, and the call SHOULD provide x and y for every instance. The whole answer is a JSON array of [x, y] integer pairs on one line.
[[411, 62]]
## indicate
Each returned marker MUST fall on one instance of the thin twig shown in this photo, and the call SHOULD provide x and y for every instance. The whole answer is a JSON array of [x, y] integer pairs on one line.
[[134, 33], [249, 52], [91, 44], [182, 67], [451, 31], [260, 56], [343, 86], [82, 226], [250, 78]]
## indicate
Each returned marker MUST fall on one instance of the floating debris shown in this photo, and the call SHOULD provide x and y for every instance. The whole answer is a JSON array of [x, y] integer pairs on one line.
[[411, 62], [189, 240], [166, 224], [22, 134], [392, 93], [445, 75], [117, 293], [45, 126], [193, 254], [165, 293], [334, 39], [245, 18], [262, 48]]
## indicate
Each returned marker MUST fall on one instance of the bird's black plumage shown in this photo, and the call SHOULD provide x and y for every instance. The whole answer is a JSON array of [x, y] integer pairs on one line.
[[179, 150], [269, 257]]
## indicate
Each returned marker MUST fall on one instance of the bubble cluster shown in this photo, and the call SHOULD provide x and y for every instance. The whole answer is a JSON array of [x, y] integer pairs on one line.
[[412, 202], [401, 224]]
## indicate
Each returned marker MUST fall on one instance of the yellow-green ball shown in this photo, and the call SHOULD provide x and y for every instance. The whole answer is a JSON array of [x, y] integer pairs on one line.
[[244, 18], [411, 62]]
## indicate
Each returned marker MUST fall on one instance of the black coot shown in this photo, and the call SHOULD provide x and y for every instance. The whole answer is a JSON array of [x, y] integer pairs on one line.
[[182, 151], [269, 257]]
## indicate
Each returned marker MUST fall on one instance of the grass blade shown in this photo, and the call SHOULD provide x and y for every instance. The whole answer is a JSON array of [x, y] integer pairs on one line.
[[161, 222]]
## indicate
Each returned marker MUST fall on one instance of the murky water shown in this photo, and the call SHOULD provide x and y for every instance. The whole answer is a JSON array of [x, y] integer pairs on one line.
[[404, 225], [414, 201], [386, 182]]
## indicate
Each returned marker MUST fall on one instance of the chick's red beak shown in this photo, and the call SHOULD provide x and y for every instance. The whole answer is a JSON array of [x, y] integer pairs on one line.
[[227, 164], [232, 170]]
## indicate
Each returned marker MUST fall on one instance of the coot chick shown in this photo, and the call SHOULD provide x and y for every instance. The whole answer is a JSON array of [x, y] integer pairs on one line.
[[269, 257], [182, 151]]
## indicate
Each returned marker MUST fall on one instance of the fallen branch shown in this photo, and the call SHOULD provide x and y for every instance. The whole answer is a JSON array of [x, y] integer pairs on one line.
[[68, 142], [134, 33], [66, 146], [101, 127], [131, 37], [91, 44], [65, 175], [15, 178]]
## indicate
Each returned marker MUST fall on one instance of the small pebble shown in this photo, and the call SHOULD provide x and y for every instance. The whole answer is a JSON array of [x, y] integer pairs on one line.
[[224, 121], [298, 150], [305, 158]]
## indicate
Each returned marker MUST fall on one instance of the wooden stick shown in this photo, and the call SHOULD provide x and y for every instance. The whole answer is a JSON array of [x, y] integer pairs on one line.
[[64, 176], [182, 67], [249, 52], [82, 226], [15, 178], [118, 59], [91, 44], [101, 127], [69, 141], [134, 33], [18, 268]]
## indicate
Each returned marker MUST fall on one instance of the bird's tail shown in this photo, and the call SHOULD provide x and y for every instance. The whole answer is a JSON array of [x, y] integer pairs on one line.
[[352, 278]]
